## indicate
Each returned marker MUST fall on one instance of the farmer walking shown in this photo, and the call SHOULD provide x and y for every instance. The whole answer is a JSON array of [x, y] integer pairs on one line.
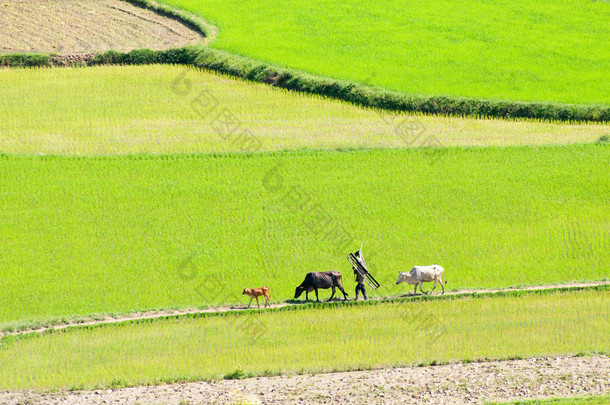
[[362, 274], [360, 277]]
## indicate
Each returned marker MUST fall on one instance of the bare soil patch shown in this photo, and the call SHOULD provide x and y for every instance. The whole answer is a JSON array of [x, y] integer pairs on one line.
[[84, 26], [459, 383]]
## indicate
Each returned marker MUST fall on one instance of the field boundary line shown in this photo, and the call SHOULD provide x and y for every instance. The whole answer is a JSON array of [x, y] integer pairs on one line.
[[61, 324], [193, 21], [203, 57]]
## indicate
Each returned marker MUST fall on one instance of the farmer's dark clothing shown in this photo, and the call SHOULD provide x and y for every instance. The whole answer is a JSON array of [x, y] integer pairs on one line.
[[360, 287], [360, 284]]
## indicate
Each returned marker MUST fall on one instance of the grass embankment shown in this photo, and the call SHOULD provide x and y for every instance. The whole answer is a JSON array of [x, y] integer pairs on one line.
[[591, 400], [158, 109], [115, 234], [315, 340], [461, 48]]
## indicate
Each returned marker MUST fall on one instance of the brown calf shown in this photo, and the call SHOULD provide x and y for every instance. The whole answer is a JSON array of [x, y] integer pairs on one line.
[[257, 292]]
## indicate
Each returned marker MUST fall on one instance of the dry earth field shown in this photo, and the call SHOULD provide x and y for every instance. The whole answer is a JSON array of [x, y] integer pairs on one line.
[[84, 26], [560, 376]]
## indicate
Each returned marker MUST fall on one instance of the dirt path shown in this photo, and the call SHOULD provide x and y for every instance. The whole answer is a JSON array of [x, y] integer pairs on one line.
[[161, 314], [85, 26], [557, 376]]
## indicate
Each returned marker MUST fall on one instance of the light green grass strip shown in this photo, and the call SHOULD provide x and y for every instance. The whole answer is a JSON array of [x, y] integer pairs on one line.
[[25, 330], [591, 400], [313, 340], [516, 50], [149, 109], [118, 234]]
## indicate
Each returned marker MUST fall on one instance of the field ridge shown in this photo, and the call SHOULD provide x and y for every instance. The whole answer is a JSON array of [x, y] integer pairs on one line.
[[109, 319], [353, 92]]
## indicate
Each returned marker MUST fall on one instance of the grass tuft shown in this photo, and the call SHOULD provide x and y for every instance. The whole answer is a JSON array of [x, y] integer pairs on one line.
[[603, 139], [237, 374]]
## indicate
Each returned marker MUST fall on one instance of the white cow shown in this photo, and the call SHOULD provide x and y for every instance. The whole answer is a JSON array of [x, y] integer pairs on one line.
[[420, 274]]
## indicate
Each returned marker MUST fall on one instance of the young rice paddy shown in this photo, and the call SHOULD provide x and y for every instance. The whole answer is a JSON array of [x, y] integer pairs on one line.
[[171, 109], [513, 50], [312, 340], [115, 234], [135, 188]]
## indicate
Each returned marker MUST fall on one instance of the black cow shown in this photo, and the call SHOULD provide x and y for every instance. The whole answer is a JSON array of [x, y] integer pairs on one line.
[[322, 280]]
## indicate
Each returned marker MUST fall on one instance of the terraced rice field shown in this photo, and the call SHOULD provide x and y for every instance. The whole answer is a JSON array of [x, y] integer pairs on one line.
[[512, 50], [164, 109], [317, 340], [128, 189], [116, 234]]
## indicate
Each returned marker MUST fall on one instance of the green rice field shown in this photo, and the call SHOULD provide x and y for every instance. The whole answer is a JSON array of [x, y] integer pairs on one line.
[[514, 50], [115, 234], [163, 109], [316, 340], [129, 189]]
